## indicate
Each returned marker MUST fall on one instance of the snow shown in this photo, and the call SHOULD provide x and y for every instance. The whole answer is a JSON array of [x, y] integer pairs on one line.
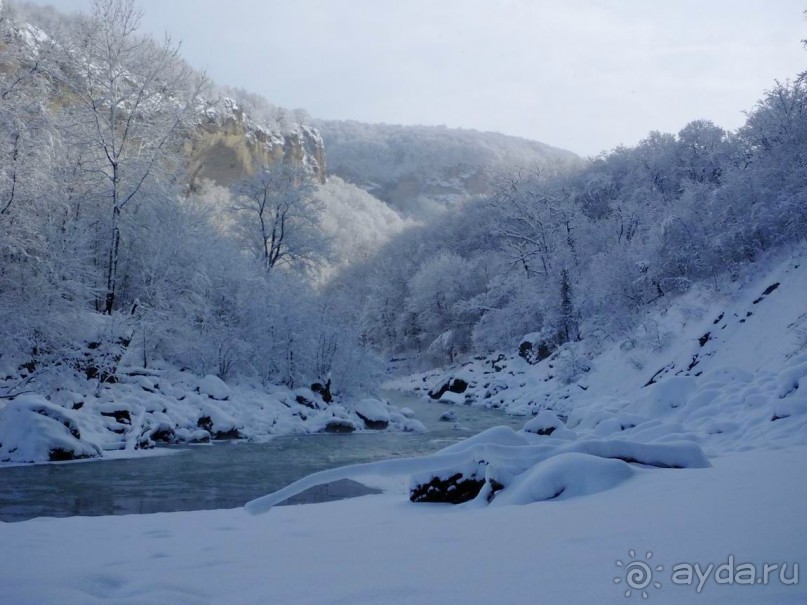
[[505, 458], [357, 223], [453, 398], [721, 392], [547, 423], [33, 430], [383, 550], [163, 404], [449, 416], [214, 387], [421, 169], [497, 435], [565, 476], [372, 410]]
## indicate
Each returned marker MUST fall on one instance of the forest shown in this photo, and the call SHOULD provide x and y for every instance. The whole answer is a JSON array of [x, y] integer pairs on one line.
[[111, 249]]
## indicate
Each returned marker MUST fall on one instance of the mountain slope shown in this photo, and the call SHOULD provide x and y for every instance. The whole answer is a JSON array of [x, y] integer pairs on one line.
[[421, 168], [728, 371]]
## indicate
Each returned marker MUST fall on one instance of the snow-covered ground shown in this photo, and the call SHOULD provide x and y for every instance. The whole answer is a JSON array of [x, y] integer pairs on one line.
[[673, 466], [379, 550], [726, 371]]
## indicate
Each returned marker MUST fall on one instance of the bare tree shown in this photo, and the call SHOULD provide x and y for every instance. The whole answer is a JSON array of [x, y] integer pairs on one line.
[[278, 218]]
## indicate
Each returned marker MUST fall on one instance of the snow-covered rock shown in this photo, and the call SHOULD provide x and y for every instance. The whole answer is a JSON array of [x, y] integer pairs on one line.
[[33, 430], [449, 416], [452, 398], [163, 405], [545, 423], [340, 425], [451, 384], [309, 399], [373, 412], [218, 423], [214, 387], [185, 435], [483, 468], [452, 485], [564, 476], [729, 375]]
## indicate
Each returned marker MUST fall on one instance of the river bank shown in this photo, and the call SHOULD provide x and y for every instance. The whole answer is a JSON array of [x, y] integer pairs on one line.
[[225, 474]]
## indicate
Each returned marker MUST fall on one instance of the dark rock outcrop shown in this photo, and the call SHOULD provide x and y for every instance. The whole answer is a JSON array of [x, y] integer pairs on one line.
[[337, 425], [455, 489], [454, 385]]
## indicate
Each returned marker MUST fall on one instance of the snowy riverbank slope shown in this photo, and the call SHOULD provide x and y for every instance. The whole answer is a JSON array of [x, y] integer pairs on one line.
[[728, 371]]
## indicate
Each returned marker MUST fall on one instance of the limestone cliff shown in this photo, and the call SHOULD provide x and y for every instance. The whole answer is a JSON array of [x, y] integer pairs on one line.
[[228, 145]]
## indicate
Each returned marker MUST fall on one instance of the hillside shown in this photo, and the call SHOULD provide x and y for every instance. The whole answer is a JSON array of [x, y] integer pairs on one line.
[[232, 133], [120, 214], [417, 169], [724, 369]]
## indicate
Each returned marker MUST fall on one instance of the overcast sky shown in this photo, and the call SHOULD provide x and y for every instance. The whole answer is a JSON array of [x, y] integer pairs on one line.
[[585, 75]]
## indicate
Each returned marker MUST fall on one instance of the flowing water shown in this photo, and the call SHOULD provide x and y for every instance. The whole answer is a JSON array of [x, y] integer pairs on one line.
[[226, 474]]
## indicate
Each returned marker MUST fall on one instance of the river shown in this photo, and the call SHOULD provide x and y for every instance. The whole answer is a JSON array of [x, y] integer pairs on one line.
[[226, 474]]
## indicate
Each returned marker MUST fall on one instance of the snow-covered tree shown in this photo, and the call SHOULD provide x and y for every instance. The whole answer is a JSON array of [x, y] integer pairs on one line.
[[132, 98], [278, 218]]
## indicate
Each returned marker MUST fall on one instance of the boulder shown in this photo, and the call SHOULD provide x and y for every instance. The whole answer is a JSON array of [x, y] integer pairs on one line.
[[448, 416], [34, 430], [534, 348], [373, 413], [121, 412], [448, 384], [162, 433], [453, 398], [545, 423], [214, 387], [309, 399], [185, 435], [453, 486], [323, 390], [219, 424]]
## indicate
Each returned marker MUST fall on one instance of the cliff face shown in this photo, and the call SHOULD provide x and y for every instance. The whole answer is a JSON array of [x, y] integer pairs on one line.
[[227, 145]]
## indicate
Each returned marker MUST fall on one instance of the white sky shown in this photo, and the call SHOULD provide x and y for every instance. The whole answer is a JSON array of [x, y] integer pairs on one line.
[[585, 75]]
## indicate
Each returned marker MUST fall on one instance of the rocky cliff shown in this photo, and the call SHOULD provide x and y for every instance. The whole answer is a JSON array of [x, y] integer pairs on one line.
[[228, 145], [229, 140]]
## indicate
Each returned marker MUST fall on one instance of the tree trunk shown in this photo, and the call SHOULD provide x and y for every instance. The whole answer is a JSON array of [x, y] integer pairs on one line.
[[112, 265]]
